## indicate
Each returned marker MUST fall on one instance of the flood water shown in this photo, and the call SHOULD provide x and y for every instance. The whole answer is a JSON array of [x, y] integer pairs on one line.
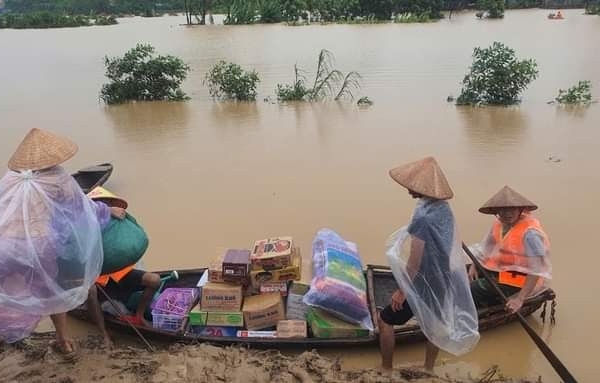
[[201, 175]]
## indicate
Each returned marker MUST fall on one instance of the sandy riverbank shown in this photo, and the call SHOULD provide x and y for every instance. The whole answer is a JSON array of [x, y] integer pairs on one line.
[[34, 360]]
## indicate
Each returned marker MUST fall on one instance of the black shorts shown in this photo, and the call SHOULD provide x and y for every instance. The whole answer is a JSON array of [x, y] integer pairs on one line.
[[129, 284], [399, 317]]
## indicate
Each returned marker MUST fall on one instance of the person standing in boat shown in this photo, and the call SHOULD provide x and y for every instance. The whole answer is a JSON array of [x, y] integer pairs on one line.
[[50, 239], [427, 263], [515, 251]]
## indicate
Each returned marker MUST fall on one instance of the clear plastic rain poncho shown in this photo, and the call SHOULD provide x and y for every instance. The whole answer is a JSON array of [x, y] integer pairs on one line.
[[525, 248], [50, 248], [438, 291]]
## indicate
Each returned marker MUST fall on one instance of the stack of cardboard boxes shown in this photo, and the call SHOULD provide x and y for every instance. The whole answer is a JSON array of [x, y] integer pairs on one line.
[[246, 290]]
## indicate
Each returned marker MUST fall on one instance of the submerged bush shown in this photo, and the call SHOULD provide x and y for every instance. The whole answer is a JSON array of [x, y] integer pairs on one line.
[[228, 81], [140, 76], [577, 94], [494, 8], [295, 92], [496, 77]]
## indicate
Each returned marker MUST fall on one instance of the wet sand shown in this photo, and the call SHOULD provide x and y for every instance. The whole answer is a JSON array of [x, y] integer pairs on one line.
[[34, 360]]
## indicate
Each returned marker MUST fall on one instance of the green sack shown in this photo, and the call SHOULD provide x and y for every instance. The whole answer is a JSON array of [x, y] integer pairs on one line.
[[124, 242]]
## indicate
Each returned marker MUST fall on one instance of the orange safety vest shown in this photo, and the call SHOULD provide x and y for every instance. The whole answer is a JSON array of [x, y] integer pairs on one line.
[[511, 250], [116, 276]]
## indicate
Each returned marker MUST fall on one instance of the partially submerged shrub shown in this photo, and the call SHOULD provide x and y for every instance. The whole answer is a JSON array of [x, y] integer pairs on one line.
[[496, 76], [294, 92], [138, 75], [228, 81], [577, 94]]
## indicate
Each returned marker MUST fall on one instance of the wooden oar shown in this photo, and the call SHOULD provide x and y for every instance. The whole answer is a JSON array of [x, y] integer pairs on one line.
[[558, 366], [122, 315]]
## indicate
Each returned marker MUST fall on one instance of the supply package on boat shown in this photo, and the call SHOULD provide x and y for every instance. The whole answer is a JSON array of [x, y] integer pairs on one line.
[[325, 325], [262, 311], [287, 273], [221, 297], [236, 266], [291, 329], [338, 285], [124, 242], [295, 306], [272, 253]]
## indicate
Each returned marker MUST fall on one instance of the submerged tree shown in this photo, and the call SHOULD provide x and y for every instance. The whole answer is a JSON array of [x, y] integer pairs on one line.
[[228, 81], [496, 76], [138, 75], [580, 94]]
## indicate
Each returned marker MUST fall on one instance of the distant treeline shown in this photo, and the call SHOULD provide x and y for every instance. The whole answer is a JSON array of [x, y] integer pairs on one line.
[[247, 11]]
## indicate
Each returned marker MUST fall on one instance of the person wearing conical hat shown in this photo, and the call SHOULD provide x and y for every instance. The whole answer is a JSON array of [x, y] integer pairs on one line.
[[516, 251], [428, 266], [50, 242], [122, 283]]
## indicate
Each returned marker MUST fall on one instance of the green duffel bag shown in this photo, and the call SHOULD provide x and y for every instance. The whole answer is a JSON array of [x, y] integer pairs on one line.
[[124, 242]]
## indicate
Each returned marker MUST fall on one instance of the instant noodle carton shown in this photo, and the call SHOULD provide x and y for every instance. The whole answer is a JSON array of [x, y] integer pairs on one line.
[[272, 253], [288, 273], [291, 329], [274, 287], [262, 311], [221, 297], [324, 325], [256, 334], [218, 331]]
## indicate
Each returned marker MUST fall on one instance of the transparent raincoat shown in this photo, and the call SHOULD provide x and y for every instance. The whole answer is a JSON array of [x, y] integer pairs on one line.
[[50, 248], [436, 288], [525, 248]]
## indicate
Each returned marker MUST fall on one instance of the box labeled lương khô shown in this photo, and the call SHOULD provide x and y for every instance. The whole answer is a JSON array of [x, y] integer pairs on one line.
[[221, 297], [291, 329], [262, 311]]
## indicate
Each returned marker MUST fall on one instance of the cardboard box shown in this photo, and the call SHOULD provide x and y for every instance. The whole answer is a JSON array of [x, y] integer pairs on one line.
[[236, 266], [221, 297], [213, 331], [291, 272], [274, 287], [291, 329], [296, 308], [199, 317], [261, 311], [324, 325], [215, 269], [272, 253], [256, 334]]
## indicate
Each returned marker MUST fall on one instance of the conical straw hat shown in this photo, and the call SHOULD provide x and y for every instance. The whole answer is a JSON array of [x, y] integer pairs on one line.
[[101, 194], [41, 150], [506, 197], [424, 177]]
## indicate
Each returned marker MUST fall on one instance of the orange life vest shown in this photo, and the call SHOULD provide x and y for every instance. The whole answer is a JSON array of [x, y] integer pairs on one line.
[[116, 276], [510, 254]]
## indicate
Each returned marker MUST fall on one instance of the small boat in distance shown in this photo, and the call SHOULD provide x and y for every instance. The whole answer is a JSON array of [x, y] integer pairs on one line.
[[556, 16], [90, 177]]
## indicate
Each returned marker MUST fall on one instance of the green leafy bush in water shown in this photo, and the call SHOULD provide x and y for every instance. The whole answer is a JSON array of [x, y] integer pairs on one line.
[[577, 94], [295, 92], [496, 77], [138, 75], [228, 81]]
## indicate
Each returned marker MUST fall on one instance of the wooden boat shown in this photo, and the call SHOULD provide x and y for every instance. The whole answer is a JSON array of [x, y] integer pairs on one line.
[[90, 177], [555, 16], [380, 286]]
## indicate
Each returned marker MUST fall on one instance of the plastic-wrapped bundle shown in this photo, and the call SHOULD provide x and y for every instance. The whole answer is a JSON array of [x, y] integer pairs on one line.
[[50, 248], [338, 285], [439, 293]]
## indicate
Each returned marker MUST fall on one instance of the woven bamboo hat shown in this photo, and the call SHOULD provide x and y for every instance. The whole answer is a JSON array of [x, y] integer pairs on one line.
[[424, 177], [101, 194], [506, 197], [41, 149]]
